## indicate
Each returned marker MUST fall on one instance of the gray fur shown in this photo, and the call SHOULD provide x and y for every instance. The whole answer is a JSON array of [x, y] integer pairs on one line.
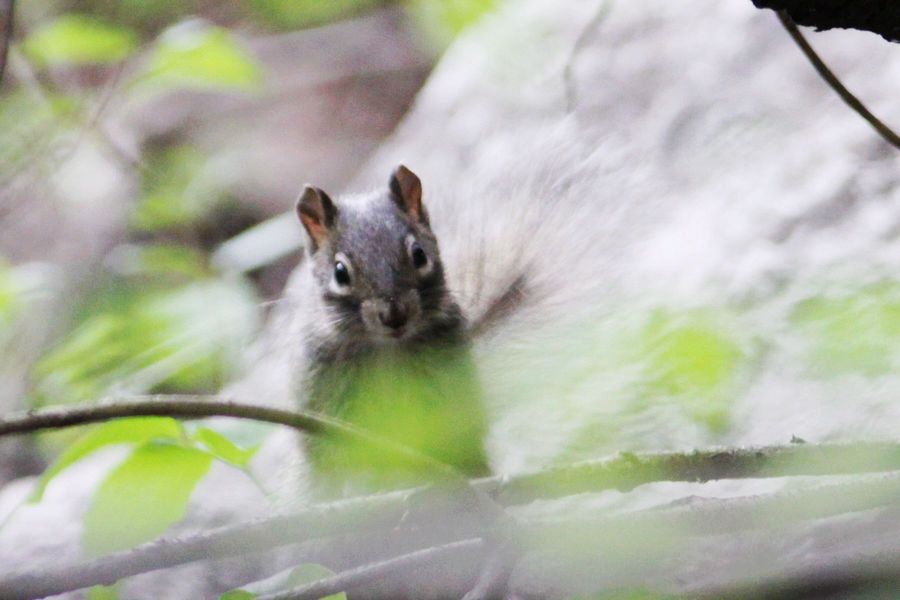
[[387, 315], [370, 233]]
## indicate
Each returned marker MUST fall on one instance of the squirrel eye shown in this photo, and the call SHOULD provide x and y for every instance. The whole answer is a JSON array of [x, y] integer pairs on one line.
[[341, 273], [419, 258]]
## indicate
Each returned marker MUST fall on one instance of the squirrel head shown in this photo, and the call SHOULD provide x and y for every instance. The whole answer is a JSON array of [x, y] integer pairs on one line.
[[376, 261]]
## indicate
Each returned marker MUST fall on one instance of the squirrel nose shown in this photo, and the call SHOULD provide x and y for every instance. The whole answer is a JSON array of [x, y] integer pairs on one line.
[[394, 316]]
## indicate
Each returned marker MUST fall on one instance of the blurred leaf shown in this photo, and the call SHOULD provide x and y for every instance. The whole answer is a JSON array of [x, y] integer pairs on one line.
[[223, 448], [689, 356], [124, 431], [429, 402], [27, 125], [142, 497], [161, 260], [855, 333], [9, 293], [443, 20], [195, 56], [626, 595], [168, 259], [176, 191], [238, 595], [185, 339], [294, 14], [77, 40], [284, 581], [103, 592], [693, 358]]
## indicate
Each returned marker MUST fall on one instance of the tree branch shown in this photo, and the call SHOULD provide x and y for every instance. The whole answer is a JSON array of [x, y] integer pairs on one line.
[[196, 407], [389, 510], [846, 95], [628, 470], [655, 550], [494, 576], [9, 11], [371, 572], [834, 579], [716, 516], [878, 16], [373, 513]]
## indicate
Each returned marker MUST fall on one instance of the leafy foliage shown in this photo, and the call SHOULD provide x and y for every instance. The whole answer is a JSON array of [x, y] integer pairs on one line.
[[852, 333], [293, 14], [184, 338], [75, 39], [694, 358], [195, 56], [143, 496], [175, 191], [127, 431], [443, 20]]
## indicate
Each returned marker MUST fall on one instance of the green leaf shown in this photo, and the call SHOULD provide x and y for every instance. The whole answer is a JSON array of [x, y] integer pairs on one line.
[[103, 592], [693, 358], [223, 448], [169, 260], [852, 333], [124, 431], [283, 581], [238, 595], [195, 56], [21, 120], [142, 339], [443, 20], [142, 497], [77, 40], [295, 14], [175, 191]]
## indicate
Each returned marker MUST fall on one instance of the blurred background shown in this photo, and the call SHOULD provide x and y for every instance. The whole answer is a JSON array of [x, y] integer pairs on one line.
[[147, 150]]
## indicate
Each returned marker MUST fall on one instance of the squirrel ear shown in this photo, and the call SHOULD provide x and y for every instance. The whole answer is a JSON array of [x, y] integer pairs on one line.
[[317, 213], [407, 192]]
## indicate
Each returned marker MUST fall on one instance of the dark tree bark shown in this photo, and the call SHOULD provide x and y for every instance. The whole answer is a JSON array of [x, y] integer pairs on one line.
[[879, 16]]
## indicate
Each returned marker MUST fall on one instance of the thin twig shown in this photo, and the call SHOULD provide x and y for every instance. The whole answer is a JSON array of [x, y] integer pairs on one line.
[[886, 132], [371, 572], [196, 407], [9, 11]]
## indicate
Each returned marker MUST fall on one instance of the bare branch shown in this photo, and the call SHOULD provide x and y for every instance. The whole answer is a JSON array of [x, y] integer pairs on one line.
[[828, 579], [886, 132], [878, 16], [654, 549], [351, 516], [388, 510], [196, 407], [371, 572], [494, 576], [627, 471], [719, 516]]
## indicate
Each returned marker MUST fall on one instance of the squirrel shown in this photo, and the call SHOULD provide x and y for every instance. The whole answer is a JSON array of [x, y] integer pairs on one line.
[[385, 343]]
